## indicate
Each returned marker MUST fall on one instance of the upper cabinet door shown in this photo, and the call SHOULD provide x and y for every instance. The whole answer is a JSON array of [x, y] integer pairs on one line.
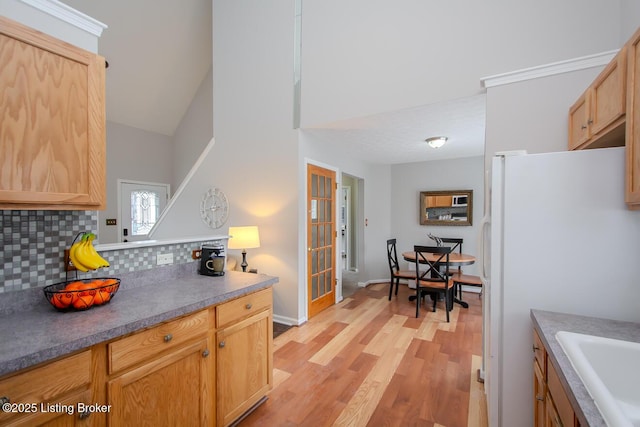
[[632, 194], [52, 132]]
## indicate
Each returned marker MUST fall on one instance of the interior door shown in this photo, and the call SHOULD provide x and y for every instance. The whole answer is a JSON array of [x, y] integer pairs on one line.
[[141, 204], [321, 239]]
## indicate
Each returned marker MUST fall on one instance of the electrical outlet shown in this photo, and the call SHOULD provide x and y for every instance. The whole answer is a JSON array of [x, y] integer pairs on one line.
[[162, 259]]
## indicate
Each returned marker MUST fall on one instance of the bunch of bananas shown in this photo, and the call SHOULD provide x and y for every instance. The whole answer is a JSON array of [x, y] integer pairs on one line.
[[84, 256]]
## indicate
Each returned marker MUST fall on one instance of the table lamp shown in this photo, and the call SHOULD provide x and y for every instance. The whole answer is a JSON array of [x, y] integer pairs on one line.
[[244, 238]]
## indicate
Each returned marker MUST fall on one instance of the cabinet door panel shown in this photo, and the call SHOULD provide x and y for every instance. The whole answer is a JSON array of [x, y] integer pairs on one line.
[[53, 122], [632, 193], [608, 95], [170, 390], [244, 365], [578, 117]]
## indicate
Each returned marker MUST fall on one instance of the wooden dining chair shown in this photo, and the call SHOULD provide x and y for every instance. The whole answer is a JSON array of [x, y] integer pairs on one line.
[[459, 278], [394, 268], [432, 275]]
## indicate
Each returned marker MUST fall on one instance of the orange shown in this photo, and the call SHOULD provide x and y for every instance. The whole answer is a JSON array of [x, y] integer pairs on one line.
[[83, 302], [74, 286], [101, 297], [65, 298], [60, 300]]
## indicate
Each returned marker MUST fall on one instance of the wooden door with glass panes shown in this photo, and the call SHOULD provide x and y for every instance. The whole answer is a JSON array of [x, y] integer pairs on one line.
[[321, 239]]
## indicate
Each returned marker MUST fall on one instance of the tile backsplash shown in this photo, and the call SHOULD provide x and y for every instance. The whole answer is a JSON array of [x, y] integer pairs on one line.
[[32, 245]]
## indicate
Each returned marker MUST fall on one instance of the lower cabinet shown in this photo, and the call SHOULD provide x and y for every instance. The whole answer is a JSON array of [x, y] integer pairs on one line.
[[171, 389], [166, 375], [54, 394], [243, 354], [551, 406]]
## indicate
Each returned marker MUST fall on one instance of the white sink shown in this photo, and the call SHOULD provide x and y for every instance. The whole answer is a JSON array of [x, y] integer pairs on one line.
[[610, 370]]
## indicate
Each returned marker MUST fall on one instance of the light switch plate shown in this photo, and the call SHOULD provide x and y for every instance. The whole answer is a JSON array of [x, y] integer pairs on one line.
[[163, 259]]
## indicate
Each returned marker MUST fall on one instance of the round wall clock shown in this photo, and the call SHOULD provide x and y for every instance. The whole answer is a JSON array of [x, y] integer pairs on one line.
[[214, 208]]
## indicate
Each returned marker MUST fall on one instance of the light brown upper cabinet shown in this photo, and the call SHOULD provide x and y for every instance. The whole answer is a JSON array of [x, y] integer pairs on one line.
[[632, 193], [597, 118], [52, 132]]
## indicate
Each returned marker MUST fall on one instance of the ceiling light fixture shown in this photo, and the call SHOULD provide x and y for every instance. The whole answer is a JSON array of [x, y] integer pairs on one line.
[[436, 141]]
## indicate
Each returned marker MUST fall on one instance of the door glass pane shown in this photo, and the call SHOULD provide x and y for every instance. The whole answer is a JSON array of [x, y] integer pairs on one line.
[[321, 260], [314, 262], [328, 283], [328, 192], [320, 236], [144, 211], [314, 236], [329, 211], [328, 259], [321, 185], [314, 185], [314, 287], [321, 208], [327, 239], [321, 284]]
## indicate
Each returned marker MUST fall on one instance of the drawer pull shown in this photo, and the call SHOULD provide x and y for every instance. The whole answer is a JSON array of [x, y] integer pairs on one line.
[[248, 306], [205, 353], [168, 337], [4, 399], [221, 345], [84, 415]]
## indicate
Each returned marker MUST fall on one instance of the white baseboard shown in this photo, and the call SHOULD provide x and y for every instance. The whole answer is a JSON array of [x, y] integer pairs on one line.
[[288, 320]]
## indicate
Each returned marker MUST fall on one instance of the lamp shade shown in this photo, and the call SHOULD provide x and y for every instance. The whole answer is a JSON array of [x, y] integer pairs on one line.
[[244, 237]]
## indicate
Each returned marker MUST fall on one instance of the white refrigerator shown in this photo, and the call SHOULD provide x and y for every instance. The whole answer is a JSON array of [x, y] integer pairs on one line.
[[560, 238]]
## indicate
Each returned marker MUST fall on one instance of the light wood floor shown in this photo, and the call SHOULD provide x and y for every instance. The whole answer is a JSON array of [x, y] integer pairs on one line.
[[369, 362]]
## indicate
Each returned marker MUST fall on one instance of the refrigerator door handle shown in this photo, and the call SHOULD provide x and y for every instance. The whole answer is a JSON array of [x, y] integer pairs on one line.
[[485, 225]]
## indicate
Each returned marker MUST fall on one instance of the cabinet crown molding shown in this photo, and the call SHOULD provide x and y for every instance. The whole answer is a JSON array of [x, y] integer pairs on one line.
[[69, 15], [575, 64]]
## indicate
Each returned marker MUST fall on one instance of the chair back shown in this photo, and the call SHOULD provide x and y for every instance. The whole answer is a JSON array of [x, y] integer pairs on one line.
[[432, 263], [456, 241], [392, 256]]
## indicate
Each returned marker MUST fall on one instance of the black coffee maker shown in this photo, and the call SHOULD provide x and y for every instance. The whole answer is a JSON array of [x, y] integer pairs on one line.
[[212, 260]]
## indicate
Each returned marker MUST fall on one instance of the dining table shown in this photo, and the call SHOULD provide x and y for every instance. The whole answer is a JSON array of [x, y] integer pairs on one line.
[[456, 259]]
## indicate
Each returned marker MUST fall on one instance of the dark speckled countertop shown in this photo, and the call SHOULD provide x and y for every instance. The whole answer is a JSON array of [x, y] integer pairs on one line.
[[32, 331], [548, 324]]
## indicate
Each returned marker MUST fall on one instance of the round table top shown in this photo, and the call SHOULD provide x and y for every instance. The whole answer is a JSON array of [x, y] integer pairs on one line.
[[455, 258]]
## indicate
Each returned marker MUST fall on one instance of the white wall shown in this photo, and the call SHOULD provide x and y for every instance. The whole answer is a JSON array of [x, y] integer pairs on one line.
[[533, 114], [133, 154], [255, 158], [362, 57], [409, 179], [194, 131], [630, 17]]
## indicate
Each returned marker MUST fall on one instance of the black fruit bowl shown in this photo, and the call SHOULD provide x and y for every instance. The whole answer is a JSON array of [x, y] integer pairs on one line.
[[81, 294]]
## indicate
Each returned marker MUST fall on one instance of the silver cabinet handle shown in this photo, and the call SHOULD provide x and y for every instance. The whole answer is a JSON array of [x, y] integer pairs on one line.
[[168, 337], [205, 353], [84, 415], [248, 306], [4, 399], [221, 345]]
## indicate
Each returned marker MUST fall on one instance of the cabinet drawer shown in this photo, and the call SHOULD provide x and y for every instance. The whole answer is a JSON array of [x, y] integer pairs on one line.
[[539, 353], [47, 383], [244, 306], [136, 348]]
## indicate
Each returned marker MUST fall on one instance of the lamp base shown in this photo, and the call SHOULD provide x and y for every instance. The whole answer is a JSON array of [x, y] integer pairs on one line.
[[244, 261]]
